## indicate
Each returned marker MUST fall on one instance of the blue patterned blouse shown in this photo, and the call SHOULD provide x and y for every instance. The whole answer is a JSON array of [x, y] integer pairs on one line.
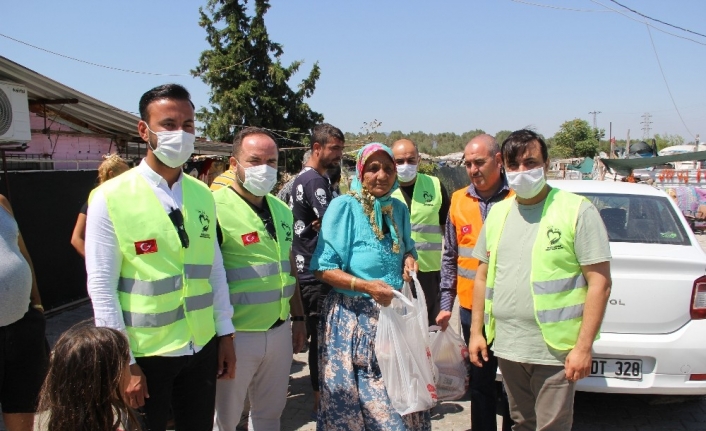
[[347, 242]]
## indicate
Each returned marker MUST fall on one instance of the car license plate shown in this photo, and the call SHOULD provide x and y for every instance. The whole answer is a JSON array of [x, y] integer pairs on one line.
[[626, 369]]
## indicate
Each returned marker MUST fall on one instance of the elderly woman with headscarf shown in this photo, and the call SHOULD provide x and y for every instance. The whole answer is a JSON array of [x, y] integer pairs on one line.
[[364, 251]]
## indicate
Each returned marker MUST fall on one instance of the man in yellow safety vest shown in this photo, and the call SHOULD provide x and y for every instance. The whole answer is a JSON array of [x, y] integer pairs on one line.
[[255, 232], [541, 288], [155, 271], [428, 203]]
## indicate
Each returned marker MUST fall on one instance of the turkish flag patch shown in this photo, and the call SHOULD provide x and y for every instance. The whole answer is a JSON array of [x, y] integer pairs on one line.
[[250, 238], [466, 229], [146, 247]]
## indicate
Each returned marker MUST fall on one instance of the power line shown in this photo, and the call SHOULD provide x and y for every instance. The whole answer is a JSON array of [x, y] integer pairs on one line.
[[558, 7], [111, 67], [664, 77], [657, 20], [647, 24]]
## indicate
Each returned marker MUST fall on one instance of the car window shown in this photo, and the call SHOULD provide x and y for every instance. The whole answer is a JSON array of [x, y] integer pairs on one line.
[[639, 219]]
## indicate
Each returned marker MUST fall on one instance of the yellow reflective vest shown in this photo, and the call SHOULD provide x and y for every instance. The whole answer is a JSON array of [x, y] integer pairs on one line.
[[557, 283], [424, 217], [257, 266], [164, 290]]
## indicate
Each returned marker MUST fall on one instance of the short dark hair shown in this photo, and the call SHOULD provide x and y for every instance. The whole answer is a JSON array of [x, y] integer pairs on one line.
[[324, 132], [516, 144], [166, 91], [244, 133]]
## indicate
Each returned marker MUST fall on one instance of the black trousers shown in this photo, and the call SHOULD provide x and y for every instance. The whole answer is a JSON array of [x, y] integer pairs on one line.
[[187, 384], [313, 296], [430, 282], [487, 396]]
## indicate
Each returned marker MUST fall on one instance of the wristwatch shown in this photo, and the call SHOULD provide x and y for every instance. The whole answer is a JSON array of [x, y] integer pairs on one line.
[[298, 318]]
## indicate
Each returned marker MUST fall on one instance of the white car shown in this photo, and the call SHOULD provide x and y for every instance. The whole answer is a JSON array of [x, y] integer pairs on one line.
[[653, 337]]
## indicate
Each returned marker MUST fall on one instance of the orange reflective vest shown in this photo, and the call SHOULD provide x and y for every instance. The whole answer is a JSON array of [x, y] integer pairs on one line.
[[466, 217]]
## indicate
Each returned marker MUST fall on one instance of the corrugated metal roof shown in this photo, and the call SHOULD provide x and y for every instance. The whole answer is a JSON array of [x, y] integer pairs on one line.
[[98, 116]]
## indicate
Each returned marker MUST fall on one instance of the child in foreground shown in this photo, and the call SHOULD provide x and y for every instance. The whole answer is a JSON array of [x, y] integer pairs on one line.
[[89, 371]]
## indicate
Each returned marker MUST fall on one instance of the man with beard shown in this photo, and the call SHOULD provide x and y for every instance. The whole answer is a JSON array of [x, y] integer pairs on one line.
[[255, 234], [311, 194], [155, 271], [541, 288]]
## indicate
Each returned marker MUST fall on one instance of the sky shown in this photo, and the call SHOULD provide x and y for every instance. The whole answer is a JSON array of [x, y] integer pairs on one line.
[[442, 66]]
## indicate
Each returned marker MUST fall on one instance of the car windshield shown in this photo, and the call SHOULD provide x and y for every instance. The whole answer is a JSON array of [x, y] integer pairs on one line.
[[639, 219]]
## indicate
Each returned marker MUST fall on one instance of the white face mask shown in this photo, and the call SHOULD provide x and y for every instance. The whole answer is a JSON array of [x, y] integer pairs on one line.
[[527, 184], [174, 147], [260, 179], [406, 172]]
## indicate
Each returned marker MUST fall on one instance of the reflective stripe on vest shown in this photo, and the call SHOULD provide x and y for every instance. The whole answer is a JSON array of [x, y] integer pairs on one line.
[[424, 218], [557, 283], [427, 246], [252, 298], [165, 295], [464, 214], [422, 228], [156, 320], [258, 273], [165, 285], [561, 285], [467, 273], [465, 252]]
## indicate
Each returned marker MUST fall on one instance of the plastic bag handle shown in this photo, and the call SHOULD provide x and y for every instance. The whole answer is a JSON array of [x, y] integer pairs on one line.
[[403, 298], [414, 282]]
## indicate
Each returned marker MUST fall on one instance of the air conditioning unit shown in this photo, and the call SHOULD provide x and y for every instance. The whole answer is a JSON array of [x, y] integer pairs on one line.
[[14, 114]]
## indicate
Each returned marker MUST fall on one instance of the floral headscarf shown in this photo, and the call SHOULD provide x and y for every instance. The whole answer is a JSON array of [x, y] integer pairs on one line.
[[378, 209]]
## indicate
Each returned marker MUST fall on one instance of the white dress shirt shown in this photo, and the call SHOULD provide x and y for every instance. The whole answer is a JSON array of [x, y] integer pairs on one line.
[[104, 260]]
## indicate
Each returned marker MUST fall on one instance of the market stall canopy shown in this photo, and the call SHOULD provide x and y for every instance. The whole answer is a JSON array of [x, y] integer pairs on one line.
[[585, 166], [626, 166]]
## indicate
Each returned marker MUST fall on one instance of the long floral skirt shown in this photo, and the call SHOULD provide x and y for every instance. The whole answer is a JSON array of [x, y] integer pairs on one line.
[[353, 395]]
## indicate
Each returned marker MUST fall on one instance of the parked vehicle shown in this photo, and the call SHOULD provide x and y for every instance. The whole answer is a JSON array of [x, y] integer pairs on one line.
[[653, 337]]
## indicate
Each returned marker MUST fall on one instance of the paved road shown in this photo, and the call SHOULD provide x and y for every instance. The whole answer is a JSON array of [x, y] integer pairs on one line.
[[593, 412]]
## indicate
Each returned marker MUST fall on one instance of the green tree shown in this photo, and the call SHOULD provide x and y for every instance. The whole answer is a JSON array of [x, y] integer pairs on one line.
[[249, 85], [501, 136], [576, 138]]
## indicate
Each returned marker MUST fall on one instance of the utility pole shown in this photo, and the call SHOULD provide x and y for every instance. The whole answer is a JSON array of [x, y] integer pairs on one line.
[[594, 113], [627, 147], [646, 125], [612, 141]]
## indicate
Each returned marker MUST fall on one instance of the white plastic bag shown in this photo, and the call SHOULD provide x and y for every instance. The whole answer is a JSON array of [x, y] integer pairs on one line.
[[420, 302], [402, 350], [450, 355]]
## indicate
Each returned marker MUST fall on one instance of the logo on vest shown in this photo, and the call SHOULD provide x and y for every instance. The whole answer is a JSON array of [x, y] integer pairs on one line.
[[146, 247], [250, 238], [205, 224], [287, 232], [465, 230], [428, 197], [554, 236]]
